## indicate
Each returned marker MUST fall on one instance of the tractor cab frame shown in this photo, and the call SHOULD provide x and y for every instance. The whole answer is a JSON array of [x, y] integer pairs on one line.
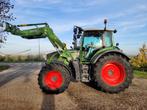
[[91, 41]]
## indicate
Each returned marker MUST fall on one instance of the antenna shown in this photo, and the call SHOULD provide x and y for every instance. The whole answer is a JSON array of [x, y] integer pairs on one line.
[[105, 23]]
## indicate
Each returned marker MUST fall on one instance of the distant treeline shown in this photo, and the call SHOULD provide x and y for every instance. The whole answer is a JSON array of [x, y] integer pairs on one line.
[[20, 58]]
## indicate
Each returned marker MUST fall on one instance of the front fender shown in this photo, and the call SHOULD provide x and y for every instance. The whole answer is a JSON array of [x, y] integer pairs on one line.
[[64, 56]]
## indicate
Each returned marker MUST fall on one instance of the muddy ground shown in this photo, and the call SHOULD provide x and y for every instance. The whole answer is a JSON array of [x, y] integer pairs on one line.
[[19, 91]]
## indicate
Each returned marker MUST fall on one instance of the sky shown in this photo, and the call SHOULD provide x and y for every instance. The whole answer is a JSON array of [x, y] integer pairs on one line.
[[129, 17]]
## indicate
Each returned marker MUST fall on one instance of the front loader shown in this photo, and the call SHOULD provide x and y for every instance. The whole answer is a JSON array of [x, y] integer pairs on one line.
[[93, 58]]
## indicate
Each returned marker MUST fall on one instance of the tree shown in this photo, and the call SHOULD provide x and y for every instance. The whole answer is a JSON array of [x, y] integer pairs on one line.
[[5, 7], [5, 15], [140, 61]]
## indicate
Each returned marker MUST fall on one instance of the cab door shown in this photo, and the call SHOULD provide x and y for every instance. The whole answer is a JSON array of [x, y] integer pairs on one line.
[[108, 41]]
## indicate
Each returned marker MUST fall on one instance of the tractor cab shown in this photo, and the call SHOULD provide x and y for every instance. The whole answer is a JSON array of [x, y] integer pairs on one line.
[[91, 41]]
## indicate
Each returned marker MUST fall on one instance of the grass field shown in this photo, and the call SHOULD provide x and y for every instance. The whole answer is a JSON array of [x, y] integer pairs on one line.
[[3, 67], [140, 74]]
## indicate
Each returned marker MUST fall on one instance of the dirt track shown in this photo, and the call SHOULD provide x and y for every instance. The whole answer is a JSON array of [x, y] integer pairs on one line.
[[19, 91]]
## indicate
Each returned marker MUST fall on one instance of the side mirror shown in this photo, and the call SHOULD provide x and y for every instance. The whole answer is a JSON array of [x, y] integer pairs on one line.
[[117, 44], [105, 21], [115, 31]]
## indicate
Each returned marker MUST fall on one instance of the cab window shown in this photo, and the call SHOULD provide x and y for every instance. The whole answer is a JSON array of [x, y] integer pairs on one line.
[[95, 41], [108, 39]]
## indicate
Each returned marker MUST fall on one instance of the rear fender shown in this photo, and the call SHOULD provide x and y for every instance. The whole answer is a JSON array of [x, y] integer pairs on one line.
[[96, 57]]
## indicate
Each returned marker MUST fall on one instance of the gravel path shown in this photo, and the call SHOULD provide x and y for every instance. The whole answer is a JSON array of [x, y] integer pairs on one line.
[[19, 91]]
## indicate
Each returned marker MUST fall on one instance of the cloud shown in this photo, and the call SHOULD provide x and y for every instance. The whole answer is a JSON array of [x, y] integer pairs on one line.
[[135, 24], [23, 2], [66, 6], [66, 24], [137, 20], [13, 47], [62, 15]]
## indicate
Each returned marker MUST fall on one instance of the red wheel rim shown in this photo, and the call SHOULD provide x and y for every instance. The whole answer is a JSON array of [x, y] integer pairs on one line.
[[113, 73], [53, 79]]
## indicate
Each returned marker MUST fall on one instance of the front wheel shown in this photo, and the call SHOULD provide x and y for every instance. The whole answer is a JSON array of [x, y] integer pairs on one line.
[[113, 73], [54, 78]]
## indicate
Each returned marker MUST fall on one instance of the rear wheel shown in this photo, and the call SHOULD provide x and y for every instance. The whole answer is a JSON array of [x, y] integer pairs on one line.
[[54, 78], [113, 73]]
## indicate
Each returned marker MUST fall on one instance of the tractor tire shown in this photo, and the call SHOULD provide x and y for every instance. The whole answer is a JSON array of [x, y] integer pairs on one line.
[[54, 78], [113, 73]]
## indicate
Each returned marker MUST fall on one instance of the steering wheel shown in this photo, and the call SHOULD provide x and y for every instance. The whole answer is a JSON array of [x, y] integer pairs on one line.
[[89, 46]]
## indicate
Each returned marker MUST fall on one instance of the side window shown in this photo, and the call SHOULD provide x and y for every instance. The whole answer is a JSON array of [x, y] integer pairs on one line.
[[108, 39]]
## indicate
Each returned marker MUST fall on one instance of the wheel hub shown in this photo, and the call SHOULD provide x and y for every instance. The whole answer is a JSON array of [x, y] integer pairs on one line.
[[113, 73], [53, 79], [110, 72]]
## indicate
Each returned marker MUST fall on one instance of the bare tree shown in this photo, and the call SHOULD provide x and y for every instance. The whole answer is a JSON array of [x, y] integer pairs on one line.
[[5, 15], [5, 7]]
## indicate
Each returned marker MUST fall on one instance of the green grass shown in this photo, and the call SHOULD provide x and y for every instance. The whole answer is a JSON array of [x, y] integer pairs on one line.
[[3, 67], [140, 74]]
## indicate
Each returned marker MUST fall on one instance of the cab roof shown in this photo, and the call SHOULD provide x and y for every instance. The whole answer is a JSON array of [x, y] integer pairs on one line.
[[95, 29]]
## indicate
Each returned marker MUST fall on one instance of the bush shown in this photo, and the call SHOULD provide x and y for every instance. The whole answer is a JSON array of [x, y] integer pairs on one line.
[[28, 58], [3, 67]]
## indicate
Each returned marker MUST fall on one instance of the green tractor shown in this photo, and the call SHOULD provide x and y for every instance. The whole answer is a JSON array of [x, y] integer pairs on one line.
[[93, 58]]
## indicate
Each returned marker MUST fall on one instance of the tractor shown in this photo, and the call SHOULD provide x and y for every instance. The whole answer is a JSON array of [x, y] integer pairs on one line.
[[93, 58]]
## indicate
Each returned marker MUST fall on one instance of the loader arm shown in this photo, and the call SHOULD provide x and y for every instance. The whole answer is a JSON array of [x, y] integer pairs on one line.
[[34, 33]]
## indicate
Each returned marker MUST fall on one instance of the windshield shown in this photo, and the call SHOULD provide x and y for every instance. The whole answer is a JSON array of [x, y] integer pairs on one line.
[[93, 41]]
